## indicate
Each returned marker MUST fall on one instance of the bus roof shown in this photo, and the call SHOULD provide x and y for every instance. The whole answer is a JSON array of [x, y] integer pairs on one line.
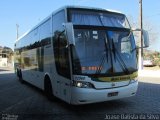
[[92, 8], [64, 8]]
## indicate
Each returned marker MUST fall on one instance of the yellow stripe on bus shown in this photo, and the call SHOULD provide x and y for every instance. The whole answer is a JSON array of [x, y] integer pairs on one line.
[[119, 78]]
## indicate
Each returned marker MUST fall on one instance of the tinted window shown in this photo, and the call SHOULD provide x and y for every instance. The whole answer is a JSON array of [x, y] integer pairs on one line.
[[38, 37], [45, 33], [97, 18], [62, 56], [60, 45], [58, 20]]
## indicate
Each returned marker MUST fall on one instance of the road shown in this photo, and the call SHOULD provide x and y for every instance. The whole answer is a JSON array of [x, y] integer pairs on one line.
[[24, 102]]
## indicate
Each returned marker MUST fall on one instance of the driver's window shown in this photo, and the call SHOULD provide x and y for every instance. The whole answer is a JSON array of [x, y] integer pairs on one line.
[[62, 61], [125, 45]]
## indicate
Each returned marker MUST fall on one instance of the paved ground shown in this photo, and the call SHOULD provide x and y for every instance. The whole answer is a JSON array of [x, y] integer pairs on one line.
[[24, 102]]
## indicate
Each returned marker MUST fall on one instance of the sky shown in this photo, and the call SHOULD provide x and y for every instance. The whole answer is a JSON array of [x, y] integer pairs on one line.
[[28, 13]]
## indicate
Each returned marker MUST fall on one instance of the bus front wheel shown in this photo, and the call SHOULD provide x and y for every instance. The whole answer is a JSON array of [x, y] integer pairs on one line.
[[48, 89]]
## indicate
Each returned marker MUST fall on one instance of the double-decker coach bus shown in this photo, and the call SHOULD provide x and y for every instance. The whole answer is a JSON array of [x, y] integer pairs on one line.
[[81, 55]]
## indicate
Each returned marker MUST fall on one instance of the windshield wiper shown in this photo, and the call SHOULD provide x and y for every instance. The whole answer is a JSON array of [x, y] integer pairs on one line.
[[120, 60], [102, 60], [114, 50]]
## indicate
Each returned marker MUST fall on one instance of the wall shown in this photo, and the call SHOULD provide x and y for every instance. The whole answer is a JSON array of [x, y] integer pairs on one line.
[[3, 62]]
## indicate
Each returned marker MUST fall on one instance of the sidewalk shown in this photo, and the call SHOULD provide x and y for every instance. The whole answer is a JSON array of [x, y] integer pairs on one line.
[[149, 73], [6, 69]]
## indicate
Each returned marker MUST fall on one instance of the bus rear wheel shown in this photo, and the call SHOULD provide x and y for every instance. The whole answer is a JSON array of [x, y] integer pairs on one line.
[[19, 75]]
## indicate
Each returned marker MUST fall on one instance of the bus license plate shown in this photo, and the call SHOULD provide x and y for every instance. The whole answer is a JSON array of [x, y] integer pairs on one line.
[[112, 94]]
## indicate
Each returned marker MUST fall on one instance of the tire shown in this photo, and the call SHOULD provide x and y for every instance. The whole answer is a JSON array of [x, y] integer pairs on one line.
[[19, 74], [48, 89]]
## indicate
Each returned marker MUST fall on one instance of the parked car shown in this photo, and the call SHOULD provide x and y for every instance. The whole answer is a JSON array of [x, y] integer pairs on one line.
[[148, 63]]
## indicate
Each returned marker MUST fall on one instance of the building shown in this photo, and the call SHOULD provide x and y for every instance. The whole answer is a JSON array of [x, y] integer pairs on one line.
[[6, 56]]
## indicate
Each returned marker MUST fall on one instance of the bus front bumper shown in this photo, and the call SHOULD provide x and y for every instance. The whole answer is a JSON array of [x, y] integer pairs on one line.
[[86, 96]]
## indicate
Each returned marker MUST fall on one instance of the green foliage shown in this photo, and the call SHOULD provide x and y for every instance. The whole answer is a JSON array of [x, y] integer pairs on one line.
[[153, 55]]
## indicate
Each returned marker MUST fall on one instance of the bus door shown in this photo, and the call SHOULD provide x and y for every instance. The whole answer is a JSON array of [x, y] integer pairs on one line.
[[65, 89]]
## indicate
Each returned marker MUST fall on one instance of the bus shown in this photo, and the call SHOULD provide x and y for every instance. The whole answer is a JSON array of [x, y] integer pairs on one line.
[[80, 55]]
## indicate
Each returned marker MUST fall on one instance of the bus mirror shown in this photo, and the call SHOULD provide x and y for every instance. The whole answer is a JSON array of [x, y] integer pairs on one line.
[[146, 38], [69, 32], [137, 37], [136, 29]]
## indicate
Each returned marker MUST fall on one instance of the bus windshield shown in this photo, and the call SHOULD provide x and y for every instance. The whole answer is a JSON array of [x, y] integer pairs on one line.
[[103, 52]]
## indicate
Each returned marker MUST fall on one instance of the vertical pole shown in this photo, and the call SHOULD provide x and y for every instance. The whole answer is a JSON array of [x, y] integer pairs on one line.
[[141, 38], [17, 32]]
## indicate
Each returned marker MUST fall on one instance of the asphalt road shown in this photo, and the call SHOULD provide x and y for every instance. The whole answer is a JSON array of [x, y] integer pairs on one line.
[[25, 102]]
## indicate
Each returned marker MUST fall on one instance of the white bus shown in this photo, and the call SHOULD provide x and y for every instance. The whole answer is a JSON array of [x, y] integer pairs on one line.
[[81, 55]]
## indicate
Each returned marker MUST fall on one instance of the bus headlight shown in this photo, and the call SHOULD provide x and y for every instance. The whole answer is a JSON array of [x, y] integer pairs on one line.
[[82, 84]]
